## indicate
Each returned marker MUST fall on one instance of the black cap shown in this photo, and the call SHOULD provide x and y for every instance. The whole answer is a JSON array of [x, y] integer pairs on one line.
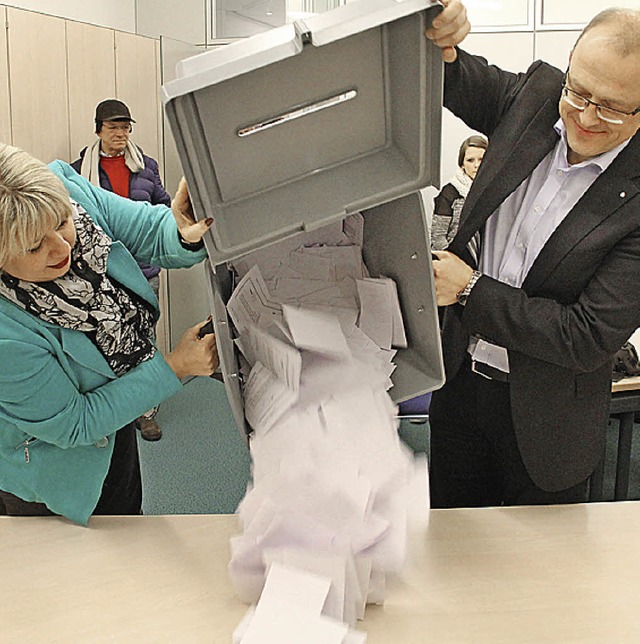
[[113, 110]]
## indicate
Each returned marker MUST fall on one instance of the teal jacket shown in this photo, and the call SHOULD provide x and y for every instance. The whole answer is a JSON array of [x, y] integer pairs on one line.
[[60, 402]]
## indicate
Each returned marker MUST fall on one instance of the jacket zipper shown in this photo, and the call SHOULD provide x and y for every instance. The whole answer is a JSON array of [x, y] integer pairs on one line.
[[25, 446]]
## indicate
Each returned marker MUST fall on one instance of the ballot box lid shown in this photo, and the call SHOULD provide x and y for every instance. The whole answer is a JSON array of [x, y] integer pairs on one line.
[[304, 124]]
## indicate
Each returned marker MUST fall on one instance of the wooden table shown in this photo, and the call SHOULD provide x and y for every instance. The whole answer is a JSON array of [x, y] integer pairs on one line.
[[492, 575]]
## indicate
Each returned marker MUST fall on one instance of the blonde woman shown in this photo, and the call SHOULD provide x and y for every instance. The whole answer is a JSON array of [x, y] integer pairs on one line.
[[76, 336]]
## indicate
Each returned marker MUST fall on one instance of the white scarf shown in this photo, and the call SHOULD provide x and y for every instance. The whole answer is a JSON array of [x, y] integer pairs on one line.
[[461, 181], [133, 159]]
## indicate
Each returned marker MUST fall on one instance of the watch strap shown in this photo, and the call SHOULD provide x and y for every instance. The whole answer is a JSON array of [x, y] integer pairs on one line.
[[463, 295]]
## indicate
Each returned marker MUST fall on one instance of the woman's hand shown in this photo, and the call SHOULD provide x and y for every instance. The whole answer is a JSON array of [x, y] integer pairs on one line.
[[194, 356], [449, 28], [190, 230]]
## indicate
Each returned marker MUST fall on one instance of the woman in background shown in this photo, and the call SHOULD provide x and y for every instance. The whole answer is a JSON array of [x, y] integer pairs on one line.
[[448, 203], [79, 363]]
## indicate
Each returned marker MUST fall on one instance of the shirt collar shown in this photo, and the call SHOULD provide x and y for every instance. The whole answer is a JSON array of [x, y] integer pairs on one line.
[[110, 156], [602, 161]]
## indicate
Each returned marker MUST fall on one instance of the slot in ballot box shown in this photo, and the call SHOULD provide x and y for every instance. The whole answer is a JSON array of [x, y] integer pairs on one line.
[[292, 129]]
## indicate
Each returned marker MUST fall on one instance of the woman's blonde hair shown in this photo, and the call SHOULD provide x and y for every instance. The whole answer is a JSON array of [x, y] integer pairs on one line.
[[33, 200]]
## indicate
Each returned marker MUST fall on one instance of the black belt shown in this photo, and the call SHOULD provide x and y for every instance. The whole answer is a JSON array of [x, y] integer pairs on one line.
[[487, 371]]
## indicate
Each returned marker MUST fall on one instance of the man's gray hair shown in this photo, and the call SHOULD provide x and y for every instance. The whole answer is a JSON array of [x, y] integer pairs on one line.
[[626, 23], [33, 201]]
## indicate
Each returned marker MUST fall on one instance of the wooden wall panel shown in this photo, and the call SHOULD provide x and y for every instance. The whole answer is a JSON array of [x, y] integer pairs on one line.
[[186, 299], [114, 14], [38, 76], [160, 116], [137, 85], [92, 78], [5, 111]]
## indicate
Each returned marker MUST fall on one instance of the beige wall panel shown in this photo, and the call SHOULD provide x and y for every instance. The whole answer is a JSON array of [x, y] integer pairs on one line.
[[117, 14], [498, 13], [160, 118], [172, 52], [510, 51], [92, 78], [5, 111], [38, 73], [554, 46], [187, 294], [137, 85], [563, 12], [184, 20], [162, 327]]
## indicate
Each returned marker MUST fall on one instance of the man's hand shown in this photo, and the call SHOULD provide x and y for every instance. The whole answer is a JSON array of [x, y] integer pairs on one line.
[[451, 276], [190, 230], [449, 28]]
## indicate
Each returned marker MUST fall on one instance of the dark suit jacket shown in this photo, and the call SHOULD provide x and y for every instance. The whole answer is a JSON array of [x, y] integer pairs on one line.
[[581, 299]]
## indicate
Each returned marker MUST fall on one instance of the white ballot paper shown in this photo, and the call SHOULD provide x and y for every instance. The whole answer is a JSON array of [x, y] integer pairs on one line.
[[353, 227], [289, 612], [399, 338], [283, 360], [272, 258], [333, 487], [251, 304], [380, 313], [315, 330], [266, 398]]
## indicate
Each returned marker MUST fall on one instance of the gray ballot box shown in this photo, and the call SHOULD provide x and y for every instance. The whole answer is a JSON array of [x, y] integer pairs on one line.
[[300, 126]]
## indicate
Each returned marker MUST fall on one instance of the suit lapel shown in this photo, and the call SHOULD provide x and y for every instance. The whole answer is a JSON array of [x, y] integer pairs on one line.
[[615, 187], [80, 349], [510, 163]]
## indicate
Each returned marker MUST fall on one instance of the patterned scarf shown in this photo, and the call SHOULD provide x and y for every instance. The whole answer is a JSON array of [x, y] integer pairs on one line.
[[115, 319]]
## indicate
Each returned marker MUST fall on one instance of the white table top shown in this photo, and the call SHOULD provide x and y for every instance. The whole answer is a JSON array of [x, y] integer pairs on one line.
[[626, 384], [537, 574]]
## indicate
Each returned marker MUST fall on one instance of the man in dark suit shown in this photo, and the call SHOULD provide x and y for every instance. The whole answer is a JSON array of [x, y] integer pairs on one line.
[[542, 282]]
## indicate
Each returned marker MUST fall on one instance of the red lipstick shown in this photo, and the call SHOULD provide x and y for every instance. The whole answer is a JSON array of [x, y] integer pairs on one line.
[[61, 264]]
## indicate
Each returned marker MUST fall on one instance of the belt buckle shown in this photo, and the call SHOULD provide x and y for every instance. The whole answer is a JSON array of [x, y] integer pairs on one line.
[[475, 370]]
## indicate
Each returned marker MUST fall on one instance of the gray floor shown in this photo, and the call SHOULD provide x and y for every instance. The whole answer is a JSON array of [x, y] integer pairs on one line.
[[201, 465]]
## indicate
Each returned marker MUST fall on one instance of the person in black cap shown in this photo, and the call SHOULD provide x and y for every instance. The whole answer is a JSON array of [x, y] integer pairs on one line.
[[115, 163]]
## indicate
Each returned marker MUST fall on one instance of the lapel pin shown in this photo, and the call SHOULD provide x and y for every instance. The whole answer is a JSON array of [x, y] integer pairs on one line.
[[623, 194]]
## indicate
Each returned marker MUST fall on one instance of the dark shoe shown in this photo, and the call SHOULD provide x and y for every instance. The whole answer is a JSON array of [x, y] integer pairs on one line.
[[149, 429]]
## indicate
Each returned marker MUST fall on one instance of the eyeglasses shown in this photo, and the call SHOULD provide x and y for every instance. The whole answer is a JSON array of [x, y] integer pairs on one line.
[[579, 102]]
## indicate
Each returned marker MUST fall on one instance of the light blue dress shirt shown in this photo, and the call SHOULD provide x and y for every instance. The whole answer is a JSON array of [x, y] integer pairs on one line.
[[517, 231]]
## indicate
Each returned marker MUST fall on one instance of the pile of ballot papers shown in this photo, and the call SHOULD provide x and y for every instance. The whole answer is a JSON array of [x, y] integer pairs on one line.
[[333, 487]]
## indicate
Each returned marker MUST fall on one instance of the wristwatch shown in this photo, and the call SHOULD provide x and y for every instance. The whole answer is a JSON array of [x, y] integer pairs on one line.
[[463, 295]]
